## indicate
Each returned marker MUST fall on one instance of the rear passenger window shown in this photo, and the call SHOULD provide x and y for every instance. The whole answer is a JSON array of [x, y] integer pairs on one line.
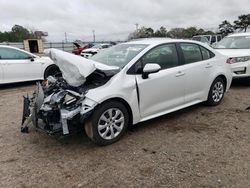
[[205, 53], [191, 52]]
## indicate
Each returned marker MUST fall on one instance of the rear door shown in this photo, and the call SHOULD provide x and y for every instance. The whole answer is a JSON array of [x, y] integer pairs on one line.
[[1, 70], [198, 66], [19, 66]]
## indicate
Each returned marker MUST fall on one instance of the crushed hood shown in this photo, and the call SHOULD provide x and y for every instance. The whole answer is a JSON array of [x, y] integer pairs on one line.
[[75, 69]]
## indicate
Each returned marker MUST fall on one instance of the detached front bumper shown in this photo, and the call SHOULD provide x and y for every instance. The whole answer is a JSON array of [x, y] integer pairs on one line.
[[54, 121], [31, 108]]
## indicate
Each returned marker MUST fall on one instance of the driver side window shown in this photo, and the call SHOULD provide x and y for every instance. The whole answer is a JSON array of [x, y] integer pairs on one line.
[[164, 55]]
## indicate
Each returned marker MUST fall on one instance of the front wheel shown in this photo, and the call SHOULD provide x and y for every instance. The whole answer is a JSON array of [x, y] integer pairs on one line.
[[52, 71], [216, 92], [108, 123]]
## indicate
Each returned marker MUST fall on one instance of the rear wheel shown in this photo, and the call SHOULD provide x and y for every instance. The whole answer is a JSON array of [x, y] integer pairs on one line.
[[216, 92], [108, 123]]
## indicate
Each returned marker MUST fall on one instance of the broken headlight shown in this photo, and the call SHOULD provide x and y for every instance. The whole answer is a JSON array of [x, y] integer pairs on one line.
[[69, 99]]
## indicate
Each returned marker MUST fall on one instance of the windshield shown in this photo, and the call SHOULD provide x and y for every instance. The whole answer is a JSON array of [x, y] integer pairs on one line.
[[119, 55], [242, 42]]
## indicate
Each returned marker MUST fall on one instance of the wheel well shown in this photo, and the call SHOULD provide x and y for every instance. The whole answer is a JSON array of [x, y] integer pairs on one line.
[[126, 105], [224, 79], [49, 68]]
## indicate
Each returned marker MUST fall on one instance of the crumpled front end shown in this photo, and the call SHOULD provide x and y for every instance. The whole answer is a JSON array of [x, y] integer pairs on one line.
[[59, 105], [57, 108]]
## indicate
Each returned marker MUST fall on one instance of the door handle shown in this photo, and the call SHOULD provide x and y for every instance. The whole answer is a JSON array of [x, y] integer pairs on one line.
[[208, 65], [180, 73]]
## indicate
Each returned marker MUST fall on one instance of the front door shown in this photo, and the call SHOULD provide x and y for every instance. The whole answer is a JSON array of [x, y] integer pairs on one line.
[[162, 91], [1, 71]]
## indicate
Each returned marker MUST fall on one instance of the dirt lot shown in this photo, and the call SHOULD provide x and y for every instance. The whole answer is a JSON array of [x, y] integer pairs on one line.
[[196, 147]]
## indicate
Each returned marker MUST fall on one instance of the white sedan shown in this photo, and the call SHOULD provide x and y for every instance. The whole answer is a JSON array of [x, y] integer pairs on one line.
[[237, 48], [127, 84], [17, 65], [94, 50]]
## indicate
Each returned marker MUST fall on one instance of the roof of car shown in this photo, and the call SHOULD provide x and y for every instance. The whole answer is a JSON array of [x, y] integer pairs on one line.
[[206, 35], [156, 41], [240, 34], [7, 46]]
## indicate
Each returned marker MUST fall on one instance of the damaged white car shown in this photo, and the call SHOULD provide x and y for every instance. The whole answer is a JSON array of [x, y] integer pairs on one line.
[[125, 84]]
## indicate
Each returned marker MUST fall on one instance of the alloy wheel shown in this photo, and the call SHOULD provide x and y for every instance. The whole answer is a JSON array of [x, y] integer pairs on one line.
[[218, 91], [111, 123]]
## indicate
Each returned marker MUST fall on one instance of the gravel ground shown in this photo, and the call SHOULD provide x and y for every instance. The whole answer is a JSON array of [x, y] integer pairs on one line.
[[196, 147]]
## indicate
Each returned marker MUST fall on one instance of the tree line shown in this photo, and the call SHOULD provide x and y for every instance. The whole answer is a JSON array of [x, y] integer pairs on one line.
[[17, 34], [225, 28]]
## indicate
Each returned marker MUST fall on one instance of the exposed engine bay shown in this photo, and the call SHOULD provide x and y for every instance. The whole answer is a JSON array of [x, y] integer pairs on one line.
[[58, 107]]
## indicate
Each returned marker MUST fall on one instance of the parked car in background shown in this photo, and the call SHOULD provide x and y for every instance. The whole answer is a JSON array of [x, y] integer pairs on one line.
[[201, 39], [126, 84], [79, 48], [94, 50], [17, 65], [211, 38], [237, 48]]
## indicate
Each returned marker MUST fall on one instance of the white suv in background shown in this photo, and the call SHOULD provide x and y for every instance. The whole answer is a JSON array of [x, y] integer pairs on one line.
[[237, 48], [211, 39]]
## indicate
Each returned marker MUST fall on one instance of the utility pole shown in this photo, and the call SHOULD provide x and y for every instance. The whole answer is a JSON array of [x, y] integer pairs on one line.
[[136, 26], [66, 40], [93, 35]]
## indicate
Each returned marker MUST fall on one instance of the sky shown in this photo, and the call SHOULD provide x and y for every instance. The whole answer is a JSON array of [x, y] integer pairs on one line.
[[114, 19]]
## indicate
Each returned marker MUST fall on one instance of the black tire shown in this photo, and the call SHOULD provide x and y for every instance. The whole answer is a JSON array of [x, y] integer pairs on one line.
[[215, 96], [52, 71], [91, 127]]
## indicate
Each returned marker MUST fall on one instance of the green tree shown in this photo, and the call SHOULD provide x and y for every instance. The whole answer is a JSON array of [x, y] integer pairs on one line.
[[176, 33], [143, 32], [200, 31], [243, 22], [189, 32], [162, 32], [226, 28], [17, 34]]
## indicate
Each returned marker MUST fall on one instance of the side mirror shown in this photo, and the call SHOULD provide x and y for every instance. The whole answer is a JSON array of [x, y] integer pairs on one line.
[[149, 69], [31, 58]]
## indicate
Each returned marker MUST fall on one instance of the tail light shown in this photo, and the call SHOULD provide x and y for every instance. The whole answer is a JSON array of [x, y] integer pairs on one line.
[[238, 59]]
